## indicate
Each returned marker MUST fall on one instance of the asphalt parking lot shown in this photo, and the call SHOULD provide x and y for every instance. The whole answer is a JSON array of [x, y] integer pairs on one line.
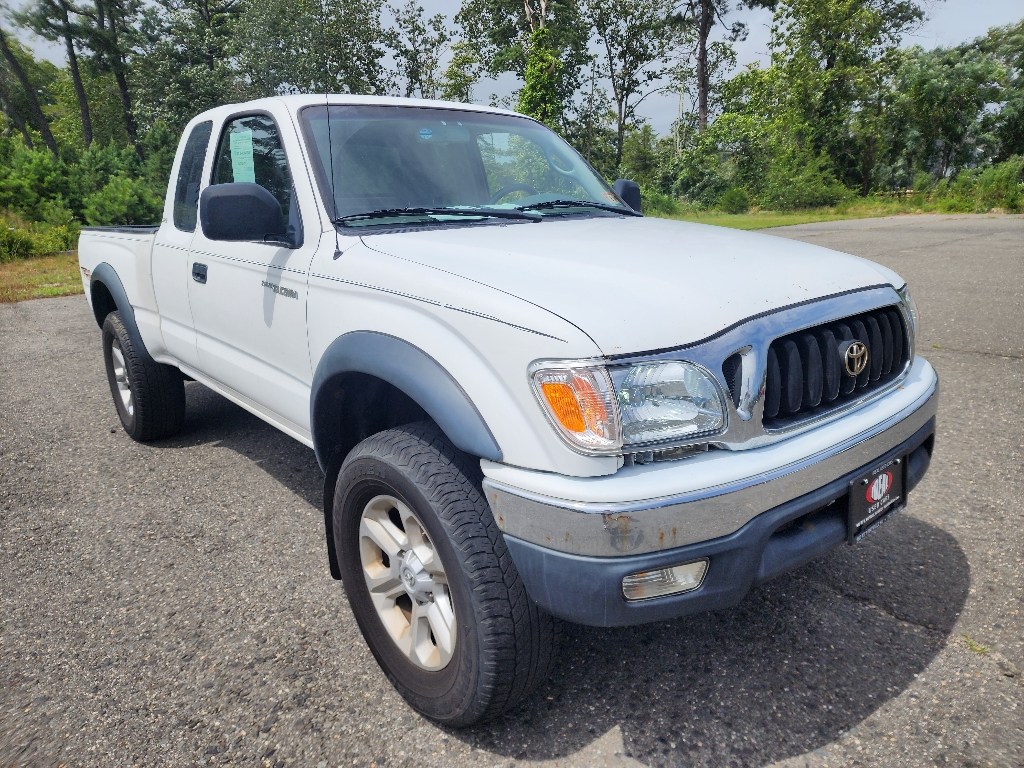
[[169, 604]]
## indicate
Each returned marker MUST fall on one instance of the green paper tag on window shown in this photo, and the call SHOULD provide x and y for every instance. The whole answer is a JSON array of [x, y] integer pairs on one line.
[[241, 156]]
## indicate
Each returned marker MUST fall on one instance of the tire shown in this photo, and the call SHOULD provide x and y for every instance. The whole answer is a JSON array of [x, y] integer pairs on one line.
[[504, 645], [149, 397]]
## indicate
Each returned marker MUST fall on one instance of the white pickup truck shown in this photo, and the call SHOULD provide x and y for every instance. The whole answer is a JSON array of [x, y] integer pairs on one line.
[[529, 400]]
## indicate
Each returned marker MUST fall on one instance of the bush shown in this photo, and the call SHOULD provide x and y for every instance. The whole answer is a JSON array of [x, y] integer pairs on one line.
[[923, 182], [736, 200], [55, 240], [114, 183], [701, 177], [1001, 185], [25, 240], [56, 212], [15, 244], [657, 202], [801, 181], [122, 201], [955, 195]]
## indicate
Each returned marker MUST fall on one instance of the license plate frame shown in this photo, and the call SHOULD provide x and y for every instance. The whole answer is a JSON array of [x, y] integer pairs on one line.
[[875, 496]]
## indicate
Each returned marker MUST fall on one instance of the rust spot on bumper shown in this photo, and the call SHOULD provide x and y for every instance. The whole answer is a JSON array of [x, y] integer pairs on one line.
[[622, 536]]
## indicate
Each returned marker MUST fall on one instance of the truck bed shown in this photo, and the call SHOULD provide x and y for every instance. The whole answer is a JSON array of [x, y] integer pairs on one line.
[[128, 250]]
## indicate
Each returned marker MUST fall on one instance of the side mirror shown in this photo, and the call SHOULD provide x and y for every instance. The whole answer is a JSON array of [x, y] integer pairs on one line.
[[628, 192], [242, 211]]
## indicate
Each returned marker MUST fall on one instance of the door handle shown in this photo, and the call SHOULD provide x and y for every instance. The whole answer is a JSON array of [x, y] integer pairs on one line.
[[199, 272]]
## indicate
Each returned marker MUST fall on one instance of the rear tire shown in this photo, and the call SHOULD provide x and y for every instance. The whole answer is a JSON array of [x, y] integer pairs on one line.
[[149, 397], [430, 491]]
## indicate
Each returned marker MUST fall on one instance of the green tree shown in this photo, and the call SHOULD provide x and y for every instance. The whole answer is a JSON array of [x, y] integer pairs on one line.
[[1006, 45], [501, 32], [123, 200], [10, 50], [589, 124], [461, 74], [942, 99], [109, 29], [831, 52], [720, 60], [417, 45], [640, 157], [8, 106], [638, 40], [311, 46], [539, 96], [55, 20], [703, 15], [183, 64]]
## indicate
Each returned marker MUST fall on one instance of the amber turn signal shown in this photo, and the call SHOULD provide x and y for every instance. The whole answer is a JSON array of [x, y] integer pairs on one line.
[[579, 402], [564, 406]]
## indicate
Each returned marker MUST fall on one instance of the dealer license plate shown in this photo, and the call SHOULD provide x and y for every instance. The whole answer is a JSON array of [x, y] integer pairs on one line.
[[875, 497]]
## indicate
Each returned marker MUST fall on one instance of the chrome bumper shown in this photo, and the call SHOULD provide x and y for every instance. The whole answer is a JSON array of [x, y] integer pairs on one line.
[[653, 525]]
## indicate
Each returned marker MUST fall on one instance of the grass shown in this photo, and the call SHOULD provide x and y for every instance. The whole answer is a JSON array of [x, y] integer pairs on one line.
[[761, 219], [756, 219], [40, 277], [974, 646]]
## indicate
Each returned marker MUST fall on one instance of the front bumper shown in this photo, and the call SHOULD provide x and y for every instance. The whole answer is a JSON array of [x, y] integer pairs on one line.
[[573, 556]]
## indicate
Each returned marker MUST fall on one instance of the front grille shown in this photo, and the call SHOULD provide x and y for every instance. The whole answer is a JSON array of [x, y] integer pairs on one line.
[[807, 375]]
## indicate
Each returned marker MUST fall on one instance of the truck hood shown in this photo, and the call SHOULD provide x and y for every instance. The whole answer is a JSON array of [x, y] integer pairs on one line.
[[638, 284]]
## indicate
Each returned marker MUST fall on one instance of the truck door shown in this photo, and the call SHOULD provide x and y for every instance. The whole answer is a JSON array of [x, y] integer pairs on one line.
[[170, 251], [249, 298]]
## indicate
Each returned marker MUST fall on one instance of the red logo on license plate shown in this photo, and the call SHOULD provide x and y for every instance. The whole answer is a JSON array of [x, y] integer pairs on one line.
[[879, 488]]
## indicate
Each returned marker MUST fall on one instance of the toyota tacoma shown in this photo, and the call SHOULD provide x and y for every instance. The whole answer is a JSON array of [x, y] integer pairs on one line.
[[530, 402]]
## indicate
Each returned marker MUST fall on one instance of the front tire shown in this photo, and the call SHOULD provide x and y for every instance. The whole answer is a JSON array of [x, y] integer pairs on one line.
[[430, 581], [149, 397]]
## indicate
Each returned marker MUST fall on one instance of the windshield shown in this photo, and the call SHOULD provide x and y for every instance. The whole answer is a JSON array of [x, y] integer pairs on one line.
[[385, 159]]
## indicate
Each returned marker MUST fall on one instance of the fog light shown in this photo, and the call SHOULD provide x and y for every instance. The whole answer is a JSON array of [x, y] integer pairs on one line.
[[664, 581]]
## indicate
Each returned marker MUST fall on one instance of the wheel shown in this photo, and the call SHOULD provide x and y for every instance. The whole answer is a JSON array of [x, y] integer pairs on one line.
[[505, 191], [430, 581], [150, 397]]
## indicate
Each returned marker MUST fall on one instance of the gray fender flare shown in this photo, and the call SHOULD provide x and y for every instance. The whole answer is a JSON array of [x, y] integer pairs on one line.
[[415, 373], [105, 274]]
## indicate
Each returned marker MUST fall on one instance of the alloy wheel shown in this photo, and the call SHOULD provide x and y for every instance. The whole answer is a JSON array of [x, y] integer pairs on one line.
[[124, 385], [407, 582]]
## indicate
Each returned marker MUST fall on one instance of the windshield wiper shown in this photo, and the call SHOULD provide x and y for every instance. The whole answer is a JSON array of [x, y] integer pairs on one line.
[[579, 204], [390, 213]]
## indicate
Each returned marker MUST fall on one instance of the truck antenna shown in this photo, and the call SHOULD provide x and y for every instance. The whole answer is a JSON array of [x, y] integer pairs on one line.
[[330, 139]]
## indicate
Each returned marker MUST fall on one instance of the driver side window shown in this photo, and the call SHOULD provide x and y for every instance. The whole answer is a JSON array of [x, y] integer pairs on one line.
[[250, 150]]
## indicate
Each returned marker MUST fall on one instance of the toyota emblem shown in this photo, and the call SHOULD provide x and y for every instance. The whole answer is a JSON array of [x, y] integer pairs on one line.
[[856, 358]]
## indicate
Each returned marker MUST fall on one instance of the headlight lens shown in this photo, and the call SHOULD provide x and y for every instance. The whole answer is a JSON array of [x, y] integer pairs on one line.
[[578, 399], [911, 307], [667, 401]]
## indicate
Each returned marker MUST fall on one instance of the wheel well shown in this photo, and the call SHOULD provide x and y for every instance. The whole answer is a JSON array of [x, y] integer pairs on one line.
[[102, 301], [350, 407]]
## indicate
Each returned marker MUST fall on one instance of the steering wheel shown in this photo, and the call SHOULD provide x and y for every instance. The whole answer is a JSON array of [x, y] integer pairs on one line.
[[571, 173], [519, 187]]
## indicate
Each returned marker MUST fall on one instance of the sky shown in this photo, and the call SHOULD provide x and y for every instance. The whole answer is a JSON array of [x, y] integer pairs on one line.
[[949, 22]]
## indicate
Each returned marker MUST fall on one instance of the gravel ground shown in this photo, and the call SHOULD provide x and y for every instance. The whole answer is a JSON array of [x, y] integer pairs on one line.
[[169, 604]]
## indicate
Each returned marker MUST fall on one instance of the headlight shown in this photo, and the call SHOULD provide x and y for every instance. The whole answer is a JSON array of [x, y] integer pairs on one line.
[[910, 306], [599, 412], [577, 397], [667, 401]]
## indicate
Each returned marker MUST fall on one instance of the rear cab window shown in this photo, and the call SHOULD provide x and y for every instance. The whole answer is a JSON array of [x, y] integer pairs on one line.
[[190, 174]]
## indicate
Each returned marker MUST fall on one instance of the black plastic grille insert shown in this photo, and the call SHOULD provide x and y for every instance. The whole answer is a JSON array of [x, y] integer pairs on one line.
[[807, 375]]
